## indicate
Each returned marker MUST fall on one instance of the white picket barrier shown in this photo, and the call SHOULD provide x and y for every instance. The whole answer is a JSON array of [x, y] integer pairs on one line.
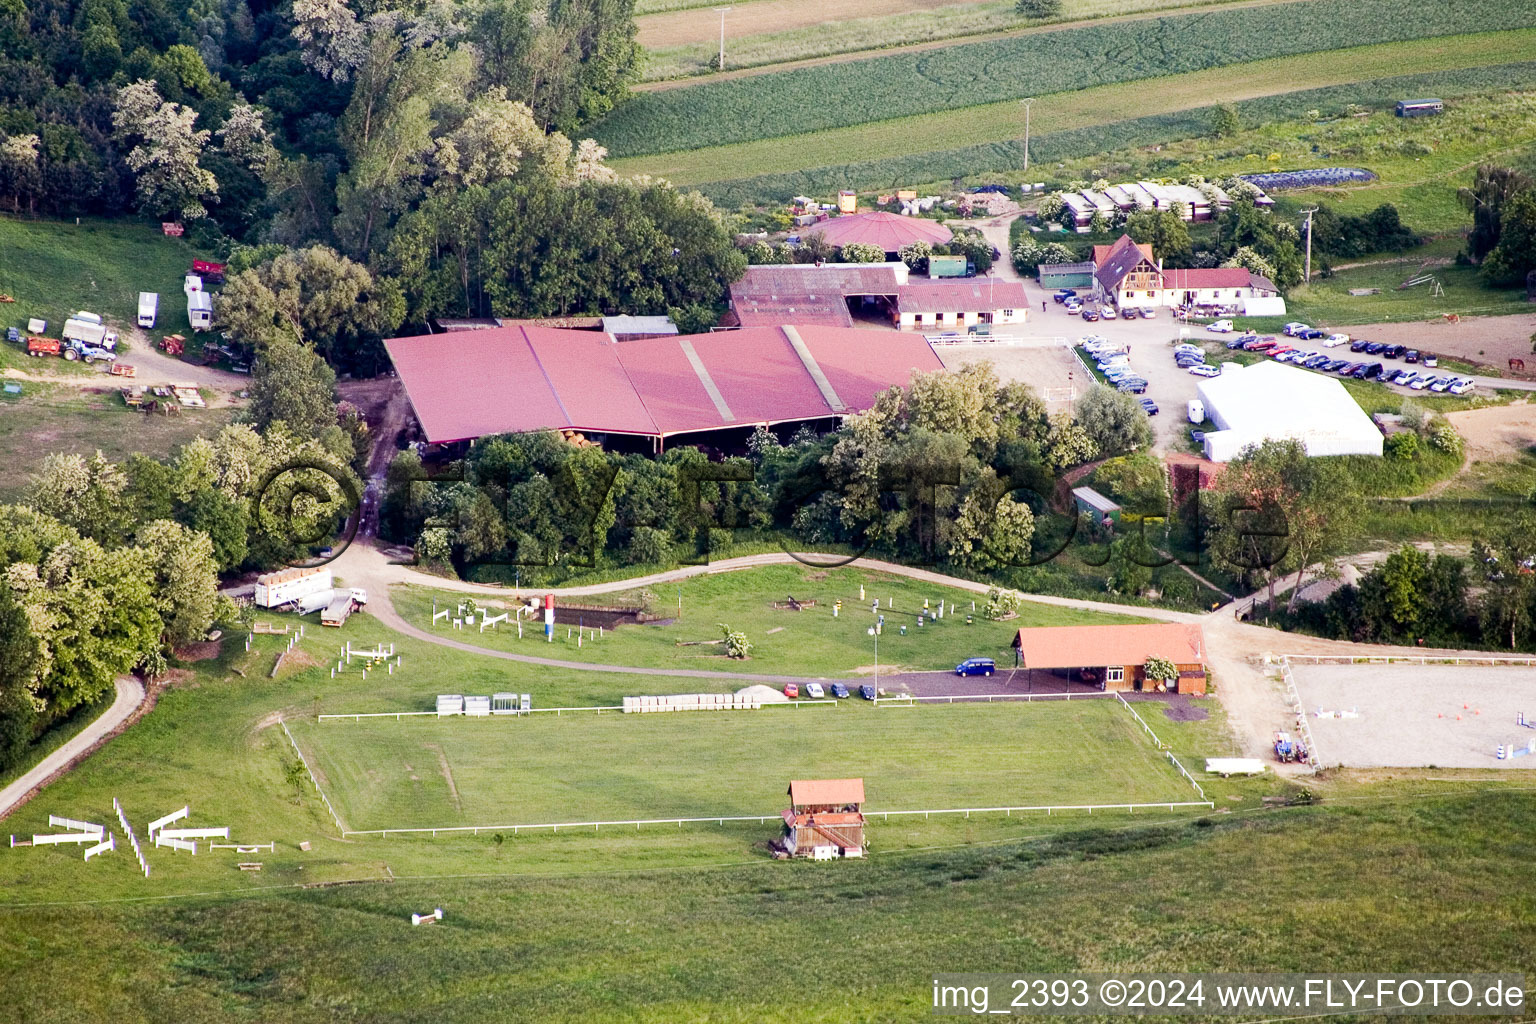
[[79, 826], [133, 840], [105, 846], [160, 823], [195, 833], [162, 839], [244, 847], [440, 615], [436, 915], [67, 837], [486, 619]]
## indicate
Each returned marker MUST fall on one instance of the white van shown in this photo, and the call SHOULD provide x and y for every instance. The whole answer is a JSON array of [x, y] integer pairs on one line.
[[1196, 411]]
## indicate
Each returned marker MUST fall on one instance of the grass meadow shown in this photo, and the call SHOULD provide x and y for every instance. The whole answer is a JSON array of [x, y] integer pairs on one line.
[[674, 924], [809, 642], [964, 75]]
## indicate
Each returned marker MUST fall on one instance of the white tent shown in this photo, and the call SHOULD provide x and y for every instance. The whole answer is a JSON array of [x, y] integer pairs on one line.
[[1273, 401]]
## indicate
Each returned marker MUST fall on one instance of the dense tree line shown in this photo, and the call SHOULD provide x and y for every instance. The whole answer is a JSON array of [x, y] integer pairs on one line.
[[954, 468], [1502, 202]]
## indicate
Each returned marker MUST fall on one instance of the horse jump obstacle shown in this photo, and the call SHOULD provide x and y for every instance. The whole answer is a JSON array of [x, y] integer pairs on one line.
[[487, 619], [176, 844], [78, 826], [244, 847], [133, 840], [1508, 751], [1521, 721], [195, 833], [107, 845], [436, 915], [160, 823]]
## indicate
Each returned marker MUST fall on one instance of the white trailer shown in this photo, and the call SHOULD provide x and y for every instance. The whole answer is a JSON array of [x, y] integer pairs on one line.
[[200, 310], [339, 610], [311, 603], [87, 327], [149, 308], [276, 589]]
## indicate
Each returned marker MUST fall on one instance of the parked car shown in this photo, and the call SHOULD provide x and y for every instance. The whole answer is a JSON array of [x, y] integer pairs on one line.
[[1441, 384], [1073, 306], [1132, 387], [1335, 339], [1348, 369], [1411, 356], [1373, 371], [1461, 387], [1358, 345], [1423, 382], [837, 690], [1278, 350], [1128, 313], [1149, 406], [1394, 351], [1090, 315], [867, 691], [791, 690], [1333, 365], [1429, 361], [1063, 294], [1406, 379], [1148, 313], [1220, 327], [1241, 340], [976, 667], [1185, 362], [1205, 370], [1197, 436], [1311, 334], [1258, 343], [1375, 348], [1108, 313], [814, 690], [1291, 328]]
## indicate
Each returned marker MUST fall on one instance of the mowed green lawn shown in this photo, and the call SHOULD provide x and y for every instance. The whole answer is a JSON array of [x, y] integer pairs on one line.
[[811, 642], [52, 268], [426, 772]]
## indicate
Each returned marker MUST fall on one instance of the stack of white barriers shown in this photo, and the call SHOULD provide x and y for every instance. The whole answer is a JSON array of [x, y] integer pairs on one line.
[[691, 702]]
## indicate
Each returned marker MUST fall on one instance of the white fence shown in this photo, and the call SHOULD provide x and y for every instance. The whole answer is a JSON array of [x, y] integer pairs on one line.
[[1020, 340], [1047, 809], [1492, 660], [1303, 728], [598, 708], [909, 701], [316, 782], [1162, 746]]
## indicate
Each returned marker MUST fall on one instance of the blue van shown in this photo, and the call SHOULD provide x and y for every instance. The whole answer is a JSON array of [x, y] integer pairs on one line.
[[976, 667]]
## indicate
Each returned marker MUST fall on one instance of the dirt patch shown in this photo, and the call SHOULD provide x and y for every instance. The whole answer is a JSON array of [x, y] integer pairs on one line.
[[1498, 432], [1185, 711], [442, 766], [176, 677], [1485, 340], [205, 651], [299, 660]]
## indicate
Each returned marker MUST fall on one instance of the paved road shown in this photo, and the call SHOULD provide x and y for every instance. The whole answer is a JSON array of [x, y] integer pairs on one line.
[[130, 694]]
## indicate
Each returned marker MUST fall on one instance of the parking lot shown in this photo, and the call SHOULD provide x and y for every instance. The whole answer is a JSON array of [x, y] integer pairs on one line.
[[1414, 716]]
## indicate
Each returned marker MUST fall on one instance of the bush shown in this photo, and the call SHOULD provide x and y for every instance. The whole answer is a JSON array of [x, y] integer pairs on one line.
[[1403, 446], [648, 546], [1038, 8]]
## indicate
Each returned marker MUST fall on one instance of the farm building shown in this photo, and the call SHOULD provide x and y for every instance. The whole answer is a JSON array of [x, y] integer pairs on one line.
[[1089, 502], [1193, 204], [517, 379], [809, 294], [1272, 401], [960, 302], [1066, 275], [1113, 657], [825, 818], [1082, 210], [889, 231], [1128, 274]]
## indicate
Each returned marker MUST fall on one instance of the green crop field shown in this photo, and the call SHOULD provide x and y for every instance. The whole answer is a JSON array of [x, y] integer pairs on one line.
[[419, 773], [1162, 144], [52, 268], [965, 75], [1003, 122], [809, 642]]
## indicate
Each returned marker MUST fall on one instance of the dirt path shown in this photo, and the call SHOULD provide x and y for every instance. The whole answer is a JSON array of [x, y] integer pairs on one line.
[[154, 367], [130, 694], [934, 44]]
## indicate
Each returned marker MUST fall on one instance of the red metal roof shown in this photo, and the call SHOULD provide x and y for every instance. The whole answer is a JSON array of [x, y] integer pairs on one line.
[[1207, 277], [961, 295], [889, 231], [826, 791], [1092, 646], [510, 380]]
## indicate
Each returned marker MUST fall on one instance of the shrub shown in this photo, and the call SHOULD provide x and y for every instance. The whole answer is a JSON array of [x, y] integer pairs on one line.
[[1403, 446], [1038, 8], [648, 546]]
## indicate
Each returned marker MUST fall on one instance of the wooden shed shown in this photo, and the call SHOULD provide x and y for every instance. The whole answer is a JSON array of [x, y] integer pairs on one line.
[[1114, 657], [825, 818]]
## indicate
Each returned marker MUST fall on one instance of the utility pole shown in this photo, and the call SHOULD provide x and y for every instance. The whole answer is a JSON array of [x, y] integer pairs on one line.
[[1026, 103], [1306, 276], [722, 12]]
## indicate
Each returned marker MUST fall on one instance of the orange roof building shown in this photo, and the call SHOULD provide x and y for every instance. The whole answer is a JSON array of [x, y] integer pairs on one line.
[[1115, 656]]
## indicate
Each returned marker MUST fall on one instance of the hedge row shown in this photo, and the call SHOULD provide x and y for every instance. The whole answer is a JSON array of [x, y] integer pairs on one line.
[[942, 165], [879, 88]]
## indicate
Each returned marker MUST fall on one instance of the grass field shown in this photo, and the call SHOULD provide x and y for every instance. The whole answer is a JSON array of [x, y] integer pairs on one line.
[[964, 75], [995, 122], [614, 767], [53, 268], [668, 924], [810, 642], [61, 418], [1327, 299]]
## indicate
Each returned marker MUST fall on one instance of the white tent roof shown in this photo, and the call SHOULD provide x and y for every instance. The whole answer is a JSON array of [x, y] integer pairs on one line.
[[1273, 401]]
